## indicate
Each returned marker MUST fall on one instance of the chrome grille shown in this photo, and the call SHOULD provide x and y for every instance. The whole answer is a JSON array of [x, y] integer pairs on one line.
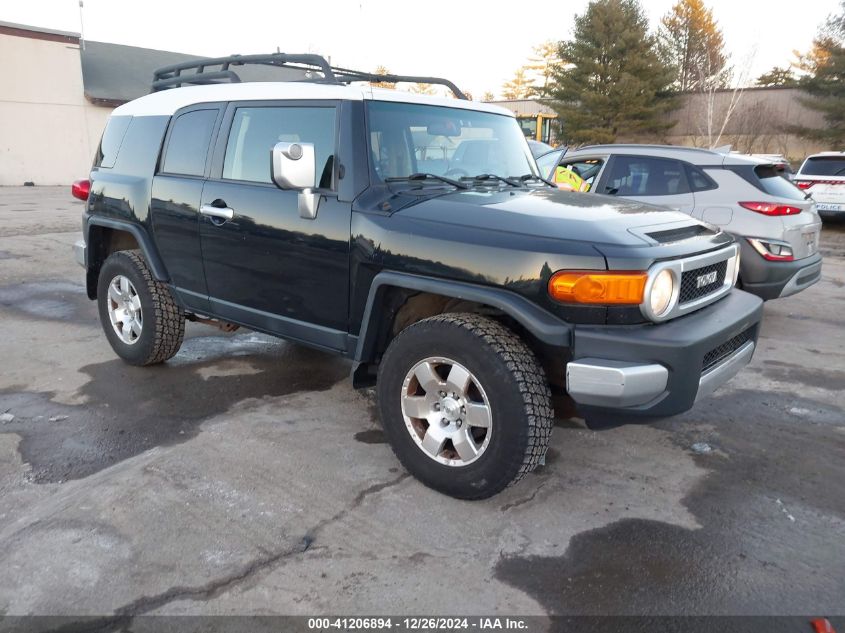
[[696, 284]]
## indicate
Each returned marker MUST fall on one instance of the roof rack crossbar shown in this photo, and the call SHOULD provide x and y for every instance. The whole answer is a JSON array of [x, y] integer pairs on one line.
[[346, 74], [172, 76]]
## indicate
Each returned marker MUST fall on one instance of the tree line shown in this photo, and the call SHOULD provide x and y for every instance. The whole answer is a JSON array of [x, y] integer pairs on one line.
[[614, 76]]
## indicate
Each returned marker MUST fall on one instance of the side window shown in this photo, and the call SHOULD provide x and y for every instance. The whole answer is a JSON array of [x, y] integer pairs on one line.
[[699, 181], [255, 131], [111, 141], [187, 148], [646, 176], [577, 175]]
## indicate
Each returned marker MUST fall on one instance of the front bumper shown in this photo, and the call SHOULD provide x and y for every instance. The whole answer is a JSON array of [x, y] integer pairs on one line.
[[661, 369], [80, 253]]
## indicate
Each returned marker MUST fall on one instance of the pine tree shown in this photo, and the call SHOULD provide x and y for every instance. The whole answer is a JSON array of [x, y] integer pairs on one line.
[[777, 76], [381, 70], [422, 89], [488, 96], [541, 65], [613, 82], [825, 82], [690, 40], [520, 87]]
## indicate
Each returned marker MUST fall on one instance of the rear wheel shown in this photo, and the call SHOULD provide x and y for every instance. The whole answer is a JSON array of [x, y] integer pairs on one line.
[[464, 404], [139, 315]]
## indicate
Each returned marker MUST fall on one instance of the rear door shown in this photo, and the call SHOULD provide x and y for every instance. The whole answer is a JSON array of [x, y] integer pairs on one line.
[[267, 267], [176, 192], [661, 181]]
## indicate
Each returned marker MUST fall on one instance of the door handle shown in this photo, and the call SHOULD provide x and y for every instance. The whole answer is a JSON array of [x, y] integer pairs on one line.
[[224, 213]]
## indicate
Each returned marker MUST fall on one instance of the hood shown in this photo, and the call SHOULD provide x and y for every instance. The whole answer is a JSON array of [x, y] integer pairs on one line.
[[546, 213]]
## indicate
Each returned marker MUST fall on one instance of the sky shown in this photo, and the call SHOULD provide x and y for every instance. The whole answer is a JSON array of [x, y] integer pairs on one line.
[[477, 44]]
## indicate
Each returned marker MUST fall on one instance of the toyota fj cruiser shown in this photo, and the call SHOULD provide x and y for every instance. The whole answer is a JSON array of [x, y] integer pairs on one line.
[[413, 235]]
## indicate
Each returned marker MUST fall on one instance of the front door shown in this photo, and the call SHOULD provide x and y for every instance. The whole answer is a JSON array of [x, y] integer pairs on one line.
[[266, 267]]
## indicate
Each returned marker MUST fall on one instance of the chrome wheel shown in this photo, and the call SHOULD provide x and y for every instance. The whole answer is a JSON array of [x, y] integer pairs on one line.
[[124, 307], [446, 411]]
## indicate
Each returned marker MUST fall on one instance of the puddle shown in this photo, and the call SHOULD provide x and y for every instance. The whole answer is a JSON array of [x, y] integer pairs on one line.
[[749, 556], [131, 409], [371, 436], [50, 300]]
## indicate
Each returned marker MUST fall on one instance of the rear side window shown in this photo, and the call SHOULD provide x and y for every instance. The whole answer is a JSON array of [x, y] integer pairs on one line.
[[699, 181], [774, 184], [111, 141], [255, 131], [187, 148], [824, 166], [646, 176]]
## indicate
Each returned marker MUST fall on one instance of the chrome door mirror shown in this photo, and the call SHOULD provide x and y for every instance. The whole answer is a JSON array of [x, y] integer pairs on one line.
[[294, 167]]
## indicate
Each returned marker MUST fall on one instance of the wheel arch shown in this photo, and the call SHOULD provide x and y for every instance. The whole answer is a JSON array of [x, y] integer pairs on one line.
[[106, 236], [389, 291]]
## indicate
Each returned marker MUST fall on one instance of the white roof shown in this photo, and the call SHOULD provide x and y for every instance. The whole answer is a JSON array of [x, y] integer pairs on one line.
[[166, 102]]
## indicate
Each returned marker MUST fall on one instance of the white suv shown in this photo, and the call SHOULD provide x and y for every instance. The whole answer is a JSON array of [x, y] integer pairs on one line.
[[823, 177], [776, 223]]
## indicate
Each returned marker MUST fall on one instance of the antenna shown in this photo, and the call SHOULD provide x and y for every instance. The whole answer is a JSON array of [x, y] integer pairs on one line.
[[81, 27]]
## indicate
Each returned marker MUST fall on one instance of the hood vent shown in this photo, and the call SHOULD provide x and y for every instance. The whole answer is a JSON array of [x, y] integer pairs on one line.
[[682, 233]]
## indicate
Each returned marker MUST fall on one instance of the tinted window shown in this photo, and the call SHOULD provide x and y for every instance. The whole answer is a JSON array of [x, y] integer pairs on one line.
[[188, 145], [772, 183], [111, 141], [256, 130], [547, 162], [699, 181], [643, 176], [824, 166]]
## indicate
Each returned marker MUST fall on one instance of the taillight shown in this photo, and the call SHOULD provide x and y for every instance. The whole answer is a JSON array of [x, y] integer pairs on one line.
[[81, 189], [803, 184], [768, 208]]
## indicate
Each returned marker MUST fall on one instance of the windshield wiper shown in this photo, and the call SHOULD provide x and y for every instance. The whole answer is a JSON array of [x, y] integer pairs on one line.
[[483, 177], [427, 176], [528, 177]]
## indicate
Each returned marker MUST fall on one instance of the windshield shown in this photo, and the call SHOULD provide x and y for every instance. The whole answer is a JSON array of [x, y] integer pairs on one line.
[[408, 139]]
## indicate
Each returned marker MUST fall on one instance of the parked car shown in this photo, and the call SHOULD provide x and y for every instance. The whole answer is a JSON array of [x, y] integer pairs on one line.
[[823, 177], [776, 223], [465, 295]]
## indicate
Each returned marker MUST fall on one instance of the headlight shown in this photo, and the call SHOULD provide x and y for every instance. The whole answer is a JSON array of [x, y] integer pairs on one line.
[[661, 293]]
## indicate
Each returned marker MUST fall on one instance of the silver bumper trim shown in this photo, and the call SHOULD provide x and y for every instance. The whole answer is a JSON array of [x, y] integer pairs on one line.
[[611, 383], [724, 371], [793, 286], [79, 249]]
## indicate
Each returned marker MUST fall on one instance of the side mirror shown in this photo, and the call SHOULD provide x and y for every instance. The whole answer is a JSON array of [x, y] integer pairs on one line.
[[294, 167]]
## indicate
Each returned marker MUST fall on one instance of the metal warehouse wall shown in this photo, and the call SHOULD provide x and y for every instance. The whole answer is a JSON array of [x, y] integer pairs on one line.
[[48, 130]]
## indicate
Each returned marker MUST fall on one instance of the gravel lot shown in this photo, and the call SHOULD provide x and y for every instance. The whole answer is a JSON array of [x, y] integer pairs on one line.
[[247, 477]]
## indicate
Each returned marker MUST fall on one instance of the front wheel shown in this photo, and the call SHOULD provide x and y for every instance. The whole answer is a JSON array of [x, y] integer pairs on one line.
[[465, 405], [142, 321]]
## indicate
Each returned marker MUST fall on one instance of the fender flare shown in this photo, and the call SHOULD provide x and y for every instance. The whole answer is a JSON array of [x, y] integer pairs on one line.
[[151, 254], [545, 326]]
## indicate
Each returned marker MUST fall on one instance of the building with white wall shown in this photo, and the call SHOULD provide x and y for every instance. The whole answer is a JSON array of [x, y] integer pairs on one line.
[[57, 95]]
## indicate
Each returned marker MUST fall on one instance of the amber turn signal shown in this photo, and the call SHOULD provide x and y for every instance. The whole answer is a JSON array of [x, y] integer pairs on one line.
[[600, 288]]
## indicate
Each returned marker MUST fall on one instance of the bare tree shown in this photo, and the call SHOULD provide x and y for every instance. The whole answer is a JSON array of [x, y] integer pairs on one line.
[[719, 105]]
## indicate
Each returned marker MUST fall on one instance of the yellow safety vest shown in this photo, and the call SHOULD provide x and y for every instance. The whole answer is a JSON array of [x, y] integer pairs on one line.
[[568, 180]]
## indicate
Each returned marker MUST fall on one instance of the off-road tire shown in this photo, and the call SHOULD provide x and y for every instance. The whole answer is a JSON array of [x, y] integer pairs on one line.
[[164, 323], [511, 376]]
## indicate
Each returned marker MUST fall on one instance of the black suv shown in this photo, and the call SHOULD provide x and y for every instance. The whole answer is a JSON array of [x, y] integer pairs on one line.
[[414, 236]]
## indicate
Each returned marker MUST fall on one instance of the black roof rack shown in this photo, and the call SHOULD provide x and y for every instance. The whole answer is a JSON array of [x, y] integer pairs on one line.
[[218, 70]]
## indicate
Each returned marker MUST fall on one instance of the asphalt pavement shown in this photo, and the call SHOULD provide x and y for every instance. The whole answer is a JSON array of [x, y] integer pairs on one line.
[[246, 476]]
